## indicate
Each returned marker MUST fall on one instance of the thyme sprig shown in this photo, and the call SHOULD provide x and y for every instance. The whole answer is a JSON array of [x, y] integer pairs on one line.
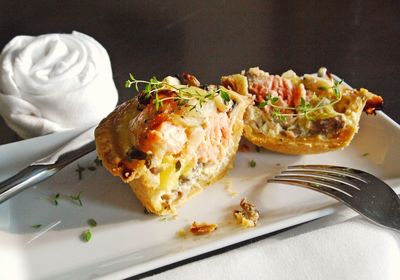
[[305, 107], [183, 93]]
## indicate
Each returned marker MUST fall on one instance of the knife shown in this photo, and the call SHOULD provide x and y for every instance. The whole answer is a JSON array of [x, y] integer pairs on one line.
[[46, 167]]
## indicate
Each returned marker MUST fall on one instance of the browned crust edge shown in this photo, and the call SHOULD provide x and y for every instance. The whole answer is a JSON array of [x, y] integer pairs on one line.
[[105, 143], [309, 145]]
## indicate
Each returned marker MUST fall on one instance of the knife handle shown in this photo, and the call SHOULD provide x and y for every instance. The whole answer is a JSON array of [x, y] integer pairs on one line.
[[27, 177]]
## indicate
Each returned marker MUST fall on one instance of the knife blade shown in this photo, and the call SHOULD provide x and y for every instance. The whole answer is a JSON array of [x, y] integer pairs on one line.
[[49, 165]]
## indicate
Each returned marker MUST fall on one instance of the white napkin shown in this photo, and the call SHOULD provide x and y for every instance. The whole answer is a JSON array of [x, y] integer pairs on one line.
[[323, 249], [55, 82]]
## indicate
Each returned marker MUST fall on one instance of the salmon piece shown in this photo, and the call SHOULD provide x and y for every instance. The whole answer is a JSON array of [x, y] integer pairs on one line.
[[264, 84], [217, 137], [166, 137]]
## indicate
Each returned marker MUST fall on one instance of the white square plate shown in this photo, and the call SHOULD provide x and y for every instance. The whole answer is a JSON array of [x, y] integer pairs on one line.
[[128, 242]]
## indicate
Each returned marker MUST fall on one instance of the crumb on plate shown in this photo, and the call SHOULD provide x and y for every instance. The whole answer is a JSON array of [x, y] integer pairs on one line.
[[182, 233], [228, 186]]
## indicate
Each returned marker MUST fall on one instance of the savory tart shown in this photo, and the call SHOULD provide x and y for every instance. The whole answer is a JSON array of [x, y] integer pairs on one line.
[[172, 139], [301, 115]]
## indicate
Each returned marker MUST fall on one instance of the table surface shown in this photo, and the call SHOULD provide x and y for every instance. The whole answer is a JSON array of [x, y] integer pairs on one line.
[[357, 40]]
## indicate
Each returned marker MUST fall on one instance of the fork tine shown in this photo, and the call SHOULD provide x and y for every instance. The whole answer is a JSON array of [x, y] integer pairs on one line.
[[339, 178], [361, 191], [323, 188], [339, 170], [344, 188]]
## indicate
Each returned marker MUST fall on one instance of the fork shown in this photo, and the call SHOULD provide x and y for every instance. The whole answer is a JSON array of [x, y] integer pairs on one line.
[[359, 190]]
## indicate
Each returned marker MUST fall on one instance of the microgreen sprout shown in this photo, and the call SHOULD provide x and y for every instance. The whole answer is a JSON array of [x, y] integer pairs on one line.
[[305, 107], [77, 198], [335, 87], [87, 235], [55, 198]]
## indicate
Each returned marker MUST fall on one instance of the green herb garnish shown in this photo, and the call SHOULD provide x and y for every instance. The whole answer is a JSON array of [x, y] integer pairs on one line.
[[274, 100], [252, 163], [80, 170], [277, 114], [77, 198], [182, 94], [225, 96], [37, 226], [55, 199], [266, 102], [87, 235], [304, 108], [92, 222], [91, 168], [258, 149], [365, 154]]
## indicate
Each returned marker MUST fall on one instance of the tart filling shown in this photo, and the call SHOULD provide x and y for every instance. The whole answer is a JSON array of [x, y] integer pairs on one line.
[[300, 115]]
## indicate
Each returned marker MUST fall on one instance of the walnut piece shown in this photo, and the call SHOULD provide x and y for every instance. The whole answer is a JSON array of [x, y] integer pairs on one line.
[[247, 217], [202, 228]]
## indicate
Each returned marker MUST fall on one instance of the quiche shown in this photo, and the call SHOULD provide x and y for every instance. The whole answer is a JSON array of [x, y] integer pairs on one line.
[[301, 115], [172, 140]]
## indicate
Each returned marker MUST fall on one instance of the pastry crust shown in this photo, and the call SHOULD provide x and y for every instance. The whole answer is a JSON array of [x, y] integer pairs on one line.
[[330, 128], [170, 154]]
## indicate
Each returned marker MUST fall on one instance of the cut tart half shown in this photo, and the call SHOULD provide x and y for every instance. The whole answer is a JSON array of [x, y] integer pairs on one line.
[[172, 140], [301, 115]]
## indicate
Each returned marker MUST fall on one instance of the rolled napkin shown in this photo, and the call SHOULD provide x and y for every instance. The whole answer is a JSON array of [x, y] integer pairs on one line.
[[54, 82]]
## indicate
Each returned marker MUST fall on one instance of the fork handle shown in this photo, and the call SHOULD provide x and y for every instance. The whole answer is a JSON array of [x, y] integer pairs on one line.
[[25, 178]]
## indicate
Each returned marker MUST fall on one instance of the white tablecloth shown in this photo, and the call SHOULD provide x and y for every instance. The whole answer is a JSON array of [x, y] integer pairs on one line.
[[341, 246]]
